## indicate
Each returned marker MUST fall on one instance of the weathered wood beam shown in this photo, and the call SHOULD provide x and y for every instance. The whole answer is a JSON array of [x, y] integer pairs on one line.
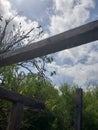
[[15, 97], [79, 107], [72, 38], [15, 117]]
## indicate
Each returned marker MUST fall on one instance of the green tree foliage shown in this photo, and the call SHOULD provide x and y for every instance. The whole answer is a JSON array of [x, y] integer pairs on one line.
[[90, 106], [60, 104], [13, 36]]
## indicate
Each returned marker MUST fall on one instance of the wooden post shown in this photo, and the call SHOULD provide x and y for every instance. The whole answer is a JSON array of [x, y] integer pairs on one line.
[[79, 94], [15, 117]]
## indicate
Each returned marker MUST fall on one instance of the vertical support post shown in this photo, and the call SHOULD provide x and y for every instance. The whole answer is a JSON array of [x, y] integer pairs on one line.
[[79, 95], [15, 117]]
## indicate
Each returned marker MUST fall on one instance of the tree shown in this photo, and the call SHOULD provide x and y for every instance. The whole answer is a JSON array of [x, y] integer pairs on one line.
[[90, 109], [60, 104], [14, 77], [13, 36], [32, 87]]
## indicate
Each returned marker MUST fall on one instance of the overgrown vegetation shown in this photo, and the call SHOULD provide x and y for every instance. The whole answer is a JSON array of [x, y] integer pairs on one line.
[[60, 103], [13, 35]]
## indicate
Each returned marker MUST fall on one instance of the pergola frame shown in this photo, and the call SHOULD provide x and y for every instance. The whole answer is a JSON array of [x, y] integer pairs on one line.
[[69, 39]]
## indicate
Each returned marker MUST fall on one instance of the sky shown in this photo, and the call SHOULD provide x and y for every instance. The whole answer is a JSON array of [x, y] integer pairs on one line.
[[77, 65]]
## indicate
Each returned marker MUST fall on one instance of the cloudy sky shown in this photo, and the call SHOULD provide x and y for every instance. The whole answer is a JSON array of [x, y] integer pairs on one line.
[[78, 65]]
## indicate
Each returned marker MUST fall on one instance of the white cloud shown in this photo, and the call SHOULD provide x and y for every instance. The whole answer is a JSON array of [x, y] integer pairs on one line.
[[34, 9], [78, 64], [5, 9], [8, 12], [68, 14], [79, 74], [78, 53]]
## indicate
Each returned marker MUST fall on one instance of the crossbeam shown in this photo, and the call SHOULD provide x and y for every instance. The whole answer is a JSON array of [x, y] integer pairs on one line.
[[69, 39], [15, 97]]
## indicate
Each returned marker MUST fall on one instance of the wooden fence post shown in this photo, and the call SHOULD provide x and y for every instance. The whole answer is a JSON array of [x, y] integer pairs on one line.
[[78, 123], [15, 117]]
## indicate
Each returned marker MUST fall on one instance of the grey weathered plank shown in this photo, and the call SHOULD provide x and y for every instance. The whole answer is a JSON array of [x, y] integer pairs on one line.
[[15, 117], [72, 38], [79, 96], [15, 97]]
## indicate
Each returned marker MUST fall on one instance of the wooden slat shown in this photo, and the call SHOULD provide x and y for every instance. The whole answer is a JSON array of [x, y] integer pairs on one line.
[[79, 95], [15, 97], [72, 38], [15, 117]]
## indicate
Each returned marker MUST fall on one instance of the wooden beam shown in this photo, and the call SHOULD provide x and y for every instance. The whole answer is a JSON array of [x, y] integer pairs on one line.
[[72, 38], [15, 117], [15, 97]]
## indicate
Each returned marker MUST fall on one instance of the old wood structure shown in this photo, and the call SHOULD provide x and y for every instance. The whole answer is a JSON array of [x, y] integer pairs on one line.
[[72, 38], [18, 104], [78, 121]]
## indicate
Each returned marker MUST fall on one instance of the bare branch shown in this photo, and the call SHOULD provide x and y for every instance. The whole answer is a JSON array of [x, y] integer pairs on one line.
[[22, 65], [16, 37], [4, 31]]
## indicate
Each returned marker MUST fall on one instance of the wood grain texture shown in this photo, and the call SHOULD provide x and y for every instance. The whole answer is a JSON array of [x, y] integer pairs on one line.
[[72, 38], [15, 97], [79, 107], [15, 117]]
